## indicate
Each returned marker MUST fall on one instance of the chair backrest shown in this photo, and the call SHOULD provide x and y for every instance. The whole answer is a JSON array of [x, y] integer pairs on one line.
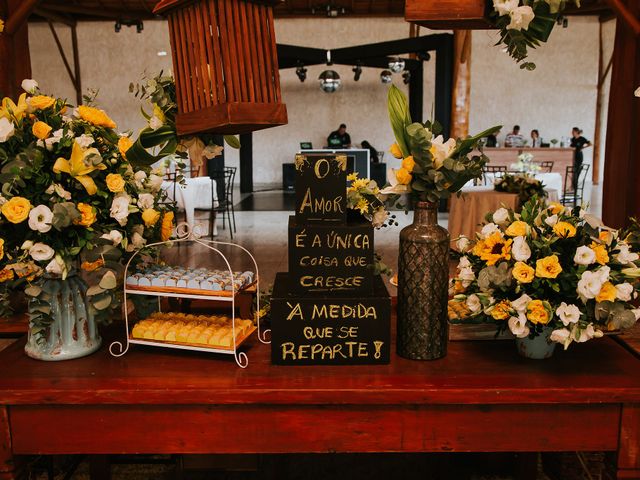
[[574, 180], [224, 184], [496, 170], [545, 165]]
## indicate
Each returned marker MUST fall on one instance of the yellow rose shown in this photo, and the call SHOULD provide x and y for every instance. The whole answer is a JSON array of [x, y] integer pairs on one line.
[[564, 230], [602, 256], [1, 248], [537, 313], [556, 208], [608, 292], [88, 215], [41, 102], [523, 272], [41, 130], [501, 311], [150, 217], [548, 267], [115, 182], [16, 210], [408, 163], [124, 144], [517, 229], [6, 274], [395, 151], [403, 176], [166, 229], [95, 116]]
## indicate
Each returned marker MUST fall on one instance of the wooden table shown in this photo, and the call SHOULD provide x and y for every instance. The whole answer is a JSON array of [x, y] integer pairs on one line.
[[481, 397]]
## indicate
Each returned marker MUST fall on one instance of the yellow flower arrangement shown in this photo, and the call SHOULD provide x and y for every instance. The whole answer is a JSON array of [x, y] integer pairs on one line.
[[523, 272], [517, 229], [493, 248], [95, 116], [555, 208], [87, 215], [150, 217], [79, 166], [564, 230], [41, 130], [6, 274], [124, 144], [10, 109], [403, 176], [395, 151], [501, 311], [602, 256], [607, 293], [115, 182], [16, 209], [408, 163], [537, 313], [166, 228], [548, 267], [41, 102]]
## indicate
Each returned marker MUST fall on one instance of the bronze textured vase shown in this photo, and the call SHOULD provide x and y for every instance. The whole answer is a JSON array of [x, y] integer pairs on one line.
[[423, 275]]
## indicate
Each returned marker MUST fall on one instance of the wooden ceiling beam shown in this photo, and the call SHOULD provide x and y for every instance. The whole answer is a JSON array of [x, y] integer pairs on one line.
[[106, 13], [19, 16], [626, 15]]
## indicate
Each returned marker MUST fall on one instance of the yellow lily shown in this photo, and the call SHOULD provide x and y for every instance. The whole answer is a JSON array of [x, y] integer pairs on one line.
[[9, 109], [79, 167]]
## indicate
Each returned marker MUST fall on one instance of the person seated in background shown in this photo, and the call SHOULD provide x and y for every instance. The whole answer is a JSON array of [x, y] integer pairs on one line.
[[514, 139], [536, 141], [492, 140], [373, 153], [339, 135]]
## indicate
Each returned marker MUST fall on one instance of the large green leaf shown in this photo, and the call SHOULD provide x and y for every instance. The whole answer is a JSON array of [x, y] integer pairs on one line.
[[399, 117], [232, 141]]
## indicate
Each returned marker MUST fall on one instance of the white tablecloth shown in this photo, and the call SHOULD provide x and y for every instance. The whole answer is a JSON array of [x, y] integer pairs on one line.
[[193, 193]]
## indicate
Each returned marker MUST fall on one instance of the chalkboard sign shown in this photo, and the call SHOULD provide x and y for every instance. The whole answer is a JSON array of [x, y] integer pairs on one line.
[[321, 183], [330, 330], [331, 258]]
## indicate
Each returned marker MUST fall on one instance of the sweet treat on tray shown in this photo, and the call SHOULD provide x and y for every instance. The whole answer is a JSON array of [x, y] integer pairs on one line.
[[165, 276], [202, 330]]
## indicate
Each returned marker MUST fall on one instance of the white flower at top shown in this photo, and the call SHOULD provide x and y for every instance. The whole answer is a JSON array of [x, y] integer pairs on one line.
[[441, 150], [568, 313], [463, 243], [488, 229], [84, 140], [6, 129], [624, 291], [40, 218], [584, 255], [518, 326], [29, 85], [520, 249], [500, 216], [521, 17], [505, 7], [41, 252], [120, 208]]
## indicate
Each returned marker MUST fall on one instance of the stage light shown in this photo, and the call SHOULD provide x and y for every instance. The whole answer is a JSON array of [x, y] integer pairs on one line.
[[386, 76], [357, 72], [301, 72], [396, 65]]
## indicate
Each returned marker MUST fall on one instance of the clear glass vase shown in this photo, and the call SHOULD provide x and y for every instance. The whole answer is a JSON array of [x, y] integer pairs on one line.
[[423, 274], [61, 325]]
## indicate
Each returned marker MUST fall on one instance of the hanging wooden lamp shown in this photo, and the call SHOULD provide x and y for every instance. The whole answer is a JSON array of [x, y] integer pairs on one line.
[[448, 14], [225, 65]]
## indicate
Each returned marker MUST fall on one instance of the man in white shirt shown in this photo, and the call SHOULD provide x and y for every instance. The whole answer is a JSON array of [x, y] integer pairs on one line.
[[514, 139]]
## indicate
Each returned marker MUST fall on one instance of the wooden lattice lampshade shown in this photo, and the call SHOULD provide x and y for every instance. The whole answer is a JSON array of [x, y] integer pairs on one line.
[[225, 65]]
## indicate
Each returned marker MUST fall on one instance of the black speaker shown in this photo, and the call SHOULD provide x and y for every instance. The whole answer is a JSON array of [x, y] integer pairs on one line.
[[288, 177]]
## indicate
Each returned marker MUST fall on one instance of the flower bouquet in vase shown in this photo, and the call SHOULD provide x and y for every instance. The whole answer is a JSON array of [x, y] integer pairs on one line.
[[550, 275], [71, 208], [432, 169]]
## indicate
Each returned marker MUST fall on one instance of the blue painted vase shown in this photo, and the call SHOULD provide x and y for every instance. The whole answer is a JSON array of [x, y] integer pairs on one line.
[[538, 347]]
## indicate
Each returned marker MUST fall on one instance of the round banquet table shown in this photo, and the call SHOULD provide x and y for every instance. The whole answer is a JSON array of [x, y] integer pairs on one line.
[[193, 193]]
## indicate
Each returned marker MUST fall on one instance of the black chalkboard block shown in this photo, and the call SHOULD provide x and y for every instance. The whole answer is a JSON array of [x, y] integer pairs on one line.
[[327, 258], [331, 330], [321, 188]]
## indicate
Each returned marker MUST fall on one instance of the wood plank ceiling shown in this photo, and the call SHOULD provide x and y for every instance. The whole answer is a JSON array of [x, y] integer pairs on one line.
[[84, 10]]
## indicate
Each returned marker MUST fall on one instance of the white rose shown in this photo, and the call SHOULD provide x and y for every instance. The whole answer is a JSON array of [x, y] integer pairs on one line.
[[505, 7], [84, 140], [473, 303], [581, 335], [501, 216], [6, 129], [114, 235], [41, 252], [464, 263], [626, 256], [155, 123], [520, 305], [441, 150], [561, 335], [145, 200], [54, 267], [488, 229], [552, 220], [26, 245], [624, 291], [139, 178], [520, 249], [120, 208], [521, 18], [467, 276], [40, 219], [463, 244], [589, 285], [154, 183], [518, 326], [568, 313], [584, 256], [29, 85], [603, 273]]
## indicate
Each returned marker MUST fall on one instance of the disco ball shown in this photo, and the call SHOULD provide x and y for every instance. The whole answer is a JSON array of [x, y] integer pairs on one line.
[[386, 76], [396, 65], [329, 81]]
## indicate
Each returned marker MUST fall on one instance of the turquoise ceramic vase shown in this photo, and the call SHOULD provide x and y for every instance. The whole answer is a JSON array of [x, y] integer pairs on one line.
[[538, 347]]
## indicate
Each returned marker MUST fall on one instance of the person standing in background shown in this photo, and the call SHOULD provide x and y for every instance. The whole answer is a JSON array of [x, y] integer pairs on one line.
[[514, 139], [536, 141], [492, 140], [373, 153], [340, 135], [578, 143]]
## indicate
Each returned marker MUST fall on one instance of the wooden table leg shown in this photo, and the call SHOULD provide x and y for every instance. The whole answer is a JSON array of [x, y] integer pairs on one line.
[[7, 464], [629, 447]]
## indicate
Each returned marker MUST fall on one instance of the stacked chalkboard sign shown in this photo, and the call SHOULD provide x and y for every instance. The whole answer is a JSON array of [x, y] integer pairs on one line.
[[330, 308]]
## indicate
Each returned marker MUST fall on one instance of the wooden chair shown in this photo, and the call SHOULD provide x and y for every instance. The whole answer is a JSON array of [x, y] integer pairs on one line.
[[496, 170], [546, 166], [573, 190], [223, 187]]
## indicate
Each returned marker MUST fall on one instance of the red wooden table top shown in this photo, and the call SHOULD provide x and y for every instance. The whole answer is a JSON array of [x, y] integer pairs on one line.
[[480, 372]]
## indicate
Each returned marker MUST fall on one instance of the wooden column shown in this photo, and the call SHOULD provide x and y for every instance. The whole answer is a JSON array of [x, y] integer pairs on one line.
[[246, 163], [621, 197], [461, 101], [15, 62], [603, 72]]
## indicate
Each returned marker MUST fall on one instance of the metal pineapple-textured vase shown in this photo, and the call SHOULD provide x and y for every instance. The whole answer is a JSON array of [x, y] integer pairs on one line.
[[423, 274]]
